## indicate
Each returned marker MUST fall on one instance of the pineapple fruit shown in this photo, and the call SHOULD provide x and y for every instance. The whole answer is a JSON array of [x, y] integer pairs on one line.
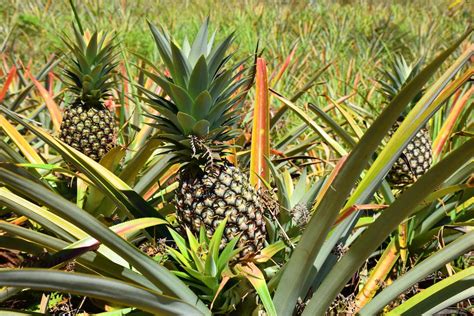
[[416, 157], [196, 124], [88, 125], [414, 160]]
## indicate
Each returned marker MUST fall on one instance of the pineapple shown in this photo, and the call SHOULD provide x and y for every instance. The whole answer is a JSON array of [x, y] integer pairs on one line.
[[196, 123], [416, 157], [88, 125]]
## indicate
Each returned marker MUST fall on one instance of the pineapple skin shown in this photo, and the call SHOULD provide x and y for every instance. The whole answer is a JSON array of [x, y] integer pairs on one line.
[[222, 191], [414, 161], [90, 130]]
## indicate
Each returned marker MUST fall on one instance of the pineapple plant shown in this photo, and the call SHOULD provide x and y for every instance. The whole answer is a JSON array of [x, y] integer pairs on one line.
[[196, 124], [416, 157], [88, 125]]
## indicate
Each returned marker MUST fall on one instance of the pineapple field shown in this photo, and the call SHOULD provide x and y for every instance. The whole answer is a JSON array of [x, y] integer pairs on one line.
[[236, 157]]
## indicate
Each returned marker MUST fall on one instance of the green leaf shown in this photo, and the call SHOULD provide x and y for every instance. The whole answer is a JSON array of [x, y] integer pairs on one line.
[[432, 263], [94, 197], [334, 125], [180, 242], [311, 123], [256, 278], [269, 251], [202, 105], [91, 52], [97, 287], [386, 223], [127, 200], [199, 47], [220, 84], [186, 122], [209, 281], [300, 189], [311, 82], [161, 81], [210, 266], [193, 242], [198, 82], [48, 220], [179, 257], [201, 128], [181, 66], [227, 254], [215, 58], [28, 151], [186, 48], [195, 250], [300, 264], [438, 296], [421, 113], [183, 101], [157, 274], [126, 229], [203, 239], [216, 239], [163, 46], [93, 261], [282, 192]]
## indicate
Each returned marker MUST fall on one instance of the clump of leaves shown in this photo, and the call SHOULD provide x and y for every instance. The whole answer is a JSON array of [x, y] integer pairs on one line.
[[202, 266]]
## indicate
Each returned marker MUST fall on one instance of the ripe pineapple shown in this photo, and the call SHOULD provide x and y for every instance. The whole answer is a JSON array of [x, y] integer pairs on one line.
[[416, 157], [88, 125], [196, 124]]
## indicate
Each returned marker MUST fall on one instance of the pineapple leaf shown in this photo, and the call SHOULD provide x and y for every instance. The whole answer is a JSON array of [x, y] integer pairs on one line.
[[179, 256], [90, 70], [203, 239], [300, 188], [216, 239], [186, 49], [91, 51], [217, 55], [186, 122], [180, 242], [227, 254], [269, 251], [182, 69], [201, 128], [183, 101], [199, 78], [203, 94], [194, 249], [199, 47], [210, 43], [202, 105], [193, 242], [210, 266], [79, 39], [163, 46], [282, 192], [220, 83], [257, 279], [161, 81], [209, 281]]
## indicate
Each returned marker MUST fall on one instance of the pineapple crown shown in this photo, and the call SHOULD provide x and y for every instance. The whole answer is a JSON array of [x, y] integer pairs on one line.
[[204, 92], [90, 72], [400, 74]]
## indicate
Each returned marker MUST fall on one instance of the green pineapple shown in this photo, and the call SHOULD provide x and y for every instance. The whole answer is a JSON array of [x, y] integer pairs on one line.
[[88, 125], [196, 124], [416, 157]]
